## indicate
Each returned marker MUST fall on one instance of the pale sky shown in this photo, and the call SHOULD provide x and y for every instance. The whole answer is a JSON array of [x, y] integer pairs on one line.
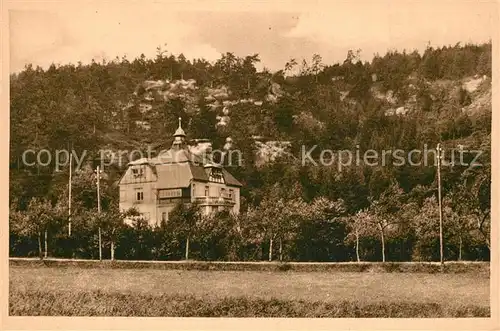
[[67, 33]]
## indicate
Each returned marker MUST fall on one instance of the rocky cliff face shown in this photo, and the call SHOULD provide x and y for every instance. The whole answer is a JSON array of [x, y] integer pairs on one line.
[[471, 94], [150, 96]]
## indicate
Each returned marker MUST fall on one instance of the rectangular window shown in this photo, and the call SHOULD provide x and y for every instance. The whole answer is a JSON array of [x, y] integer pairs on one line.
[[222, 192], [194, 190], [137, 172], [140, 196], [164, 216], [231, 194], [206, 191]]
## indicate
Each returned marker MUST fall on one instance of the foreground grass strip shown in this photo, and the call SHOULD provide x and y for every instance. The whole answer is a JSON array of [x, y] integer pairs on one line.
[[98, 303]]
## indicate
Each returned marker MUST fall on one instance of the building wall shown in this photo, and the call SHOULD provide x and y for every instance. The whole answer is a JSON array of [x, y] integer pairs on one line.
[[236, 207], [198, 190], [152, 209], [143, 181], [147, 174], [167, 209]]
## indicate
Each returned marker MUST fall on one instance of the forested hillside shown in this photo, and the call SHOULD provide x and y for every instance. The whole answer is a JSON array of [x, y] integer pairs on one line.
[[398, 100]]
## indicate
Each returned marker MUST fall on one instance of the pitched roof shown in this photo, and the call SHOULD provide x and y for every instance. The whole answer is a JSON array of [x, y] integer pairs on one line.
[[139, 161], [175, 168], [173, 175], [180, 174], [177, 156], [229, 179], [198, 173]]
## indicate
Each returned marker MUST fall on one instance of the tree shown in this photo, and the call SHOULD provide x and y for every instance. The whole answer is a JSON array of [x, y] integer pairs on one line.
[[317, 65], [136, 240], [459, 227], [484, 62], [85, 199], [292, 212], [220, 236], [204, 123], [426, 227], [82, 241], [384, 213], [360, 225], [184, 220], [97, 219], [111, 221], [290, 65], [39, 218], [278, 217], [183, 64], [268, 214], [321, 232], [249, 71], [473, 204]]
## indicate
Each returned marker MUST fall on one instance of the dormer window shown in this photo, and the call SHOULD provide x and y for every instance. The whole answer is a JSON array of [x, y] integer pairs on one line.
[[137, 172], [216, 176]]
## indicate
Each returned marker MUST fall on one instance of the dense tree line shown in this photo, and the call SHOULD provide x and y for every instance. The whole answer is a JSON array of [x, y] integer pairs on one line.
[[294, 211], [396, 227]]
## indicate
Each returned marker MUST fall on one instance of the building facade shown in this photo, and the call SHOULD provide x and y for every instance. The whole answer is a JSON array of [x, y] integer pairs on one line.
[[154, 186]]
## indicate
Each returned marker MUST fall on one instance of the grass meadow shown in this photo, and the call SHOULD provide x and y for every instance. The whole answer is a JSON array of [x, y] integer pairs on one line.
[[76, 291]]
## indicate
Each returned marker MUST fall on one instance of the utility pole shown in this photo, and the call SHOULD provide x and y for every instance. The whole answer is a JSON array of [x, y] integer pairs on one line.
[[438, 149], [98, 173], [69, 192]]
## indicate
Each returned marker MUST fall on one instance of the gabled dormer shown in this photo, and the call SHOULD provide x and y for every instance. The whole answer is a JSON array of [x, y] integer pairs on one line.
[[139, 171], [214, 173]]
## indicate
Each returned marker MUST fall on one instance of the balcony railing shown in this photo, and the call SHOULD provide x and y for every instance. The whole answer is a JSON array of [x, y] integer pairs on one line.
[[172, 201], [214, 200]]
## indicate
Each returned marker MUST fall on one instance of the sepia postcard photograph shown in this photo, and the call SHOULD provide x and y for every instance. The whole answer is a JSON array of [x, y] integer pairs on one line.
[[285, 162]]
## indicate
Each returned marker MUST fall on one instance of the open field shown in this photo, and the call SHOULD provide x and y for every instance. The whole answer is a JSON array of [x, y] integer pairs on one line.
[[40, 290]]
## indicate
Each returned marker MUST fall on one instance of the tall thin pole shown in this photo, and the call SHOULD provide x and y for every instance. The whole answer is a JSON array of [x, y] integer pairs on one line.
[[438, 149], [98, 190], [69, 192], [98, 171], [46, 244]]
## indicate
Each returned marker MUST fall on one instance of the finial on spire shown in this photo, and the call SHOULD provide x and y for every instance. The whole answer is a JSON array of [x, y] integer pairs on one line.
[[180, 132]]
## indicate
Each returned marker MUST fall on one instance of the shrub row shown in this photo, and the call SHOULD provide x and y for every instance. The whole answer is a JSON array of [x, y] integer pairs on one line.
[[409, 267]]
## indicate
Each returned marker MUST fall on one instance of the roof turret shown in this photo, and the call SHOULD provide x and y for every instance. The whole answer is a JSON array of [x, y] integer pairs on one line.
[[179, 132]]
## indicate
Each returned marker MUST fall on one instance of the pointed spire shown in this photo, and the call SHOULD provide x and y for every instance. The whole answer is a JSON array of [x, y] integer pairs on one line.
[[179, 137], [179, 132]]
